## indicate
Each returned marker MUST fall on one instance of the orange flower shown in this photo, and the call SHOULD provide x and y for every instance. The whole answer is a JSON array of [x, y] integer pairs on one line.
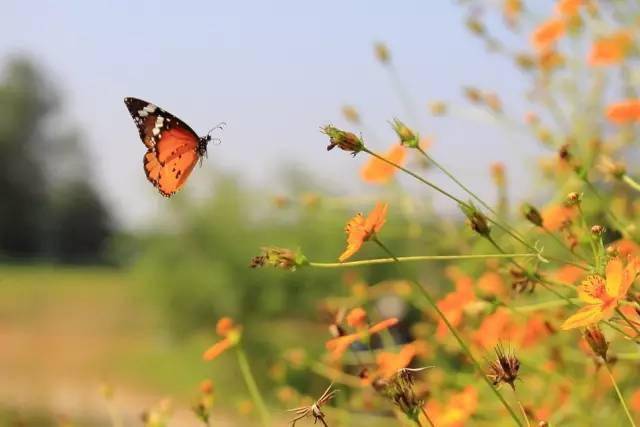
[[534, 331], [360, 229], [491, 283], [610, 50], [512, 9], [635, 401], [548, 33], [230, 334], [554, 216], [624, 111], [454, 303], [457, 411], [377, 171], [568, 8], [337, 346], [626, 247], [357, 318], [390, 363], [494, 328], [568, 274], [602, 294]]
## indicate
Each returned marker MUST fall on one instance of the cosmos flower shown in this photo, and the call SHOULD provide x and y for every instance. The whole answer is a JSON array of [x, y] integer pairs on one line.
[[360, 229], [603, 294]]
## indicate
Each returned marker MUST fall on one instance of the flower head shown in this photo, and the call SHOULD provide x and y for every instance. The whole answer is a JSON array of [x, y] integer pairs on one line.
[[377, 171], [610, 50], [624, 111], [596, 340], [603, 294], [548, 33], [314, 410], [230, 334], [360, 229]]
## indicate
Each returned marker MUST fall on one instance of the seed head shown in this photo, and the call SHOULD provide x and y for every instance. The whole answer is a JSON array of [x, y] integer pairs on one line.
[[596, 340], [476, 219], [532, 215], [382, 53], [505, 368], [406, 135], [285, 259]]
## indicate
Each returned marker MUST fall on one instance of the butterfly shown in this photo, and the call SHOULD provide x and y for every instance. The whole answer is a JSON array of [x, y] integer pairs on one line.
[[173, 148]]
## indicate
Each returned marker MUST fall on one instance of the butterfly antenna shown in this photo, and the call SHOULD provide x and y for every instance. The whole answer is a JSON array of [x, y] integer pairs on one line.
[[220, 126]]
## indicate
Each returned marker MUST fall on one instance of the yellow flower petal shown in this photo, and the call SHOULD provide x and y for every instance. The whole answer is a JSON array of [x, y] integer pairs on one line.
[[614, 277], [584, 317]]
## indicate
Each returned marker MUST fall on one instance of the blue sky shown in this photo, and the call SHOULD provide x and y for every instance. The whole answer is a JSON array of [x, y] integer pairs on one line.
[[275, 72]]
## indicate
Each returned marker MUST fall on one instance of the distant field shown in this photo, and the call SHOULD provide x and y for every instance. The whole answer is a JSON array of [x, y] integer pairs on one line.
[[66, 330]]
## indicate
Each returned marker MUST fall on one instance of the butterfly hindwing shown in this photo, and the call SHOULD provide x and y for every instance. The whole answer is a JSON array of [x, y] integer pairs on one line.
[[172, 146]]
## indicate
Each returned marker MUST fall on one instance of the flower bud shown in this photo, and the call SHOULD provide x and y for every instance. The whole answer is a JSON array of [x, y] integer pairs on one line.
[[597, 230], [406, 135], [382, 53], [285, 259], [346, 141], [438, 108], [532, 215], [351, 114], [477, 220], [596, 340], [573, 199]]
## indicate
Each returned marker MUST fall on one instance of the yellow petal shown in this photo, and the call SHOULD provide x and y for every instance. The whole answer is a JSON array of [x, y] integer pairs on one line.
[[614, 276], [630, 273], [584, 317], [592, 285]]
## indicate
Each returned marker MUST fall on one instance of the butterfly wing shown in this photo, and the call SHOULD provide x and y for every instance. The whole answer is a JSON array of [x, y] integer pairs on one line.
[[172, 146]]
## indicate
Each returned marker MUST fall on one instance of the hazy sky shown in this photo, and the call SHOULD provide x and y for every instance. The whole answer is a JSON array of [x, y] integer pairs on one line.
[[274, 71]]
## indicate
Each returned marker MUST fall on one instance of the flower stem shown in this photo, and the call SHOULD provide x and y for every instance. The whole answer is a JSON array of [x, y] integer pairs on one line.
[[620, 398], [524, 413], [424, 412], [252, 386], [415, 258], [631, 182], [458, 338], [629, 322]]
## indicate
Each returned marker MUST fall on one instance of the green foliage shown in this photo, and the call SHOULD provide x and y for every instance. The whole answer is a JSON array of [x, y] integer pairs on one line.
[[49, 207]]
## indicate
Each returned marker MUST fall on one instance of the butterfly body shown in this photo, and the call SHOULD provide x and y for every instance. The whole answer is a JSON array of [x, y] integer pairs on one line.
[[173, 148]]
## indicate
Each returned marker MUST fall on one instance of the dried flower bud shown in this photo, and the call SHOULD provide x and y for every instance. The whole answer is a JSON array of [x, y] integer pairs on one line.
[[474, 95], [476, 219], [285, 259], [347, 141], [532, 215], [525, 61], [399, 390], [564, 153], [573, 199], [493, 101], [476, 27], [597, 230], [596, 340], [611, 168], [406, 135], [505, 368], [382, 53], [351, 114], [438, 108]]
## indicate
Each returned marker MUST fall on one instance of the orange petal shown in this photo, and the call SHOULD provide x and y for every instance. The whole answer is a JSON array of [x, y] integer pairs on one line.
[[352, 248], [377, 217], [377, 171], [586, 316], [381, 326], [217, 349], [629, 275], [614, 277]]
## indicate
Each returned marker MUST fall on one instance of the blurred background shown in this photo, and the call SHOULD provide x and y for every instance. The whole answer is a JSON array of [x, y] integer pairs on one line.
[[104, 283]]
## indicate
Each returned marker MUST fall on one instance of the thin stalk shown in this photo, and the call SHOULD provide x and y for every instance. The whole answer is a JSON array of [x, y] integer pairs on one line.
[[458, 338], [426, 416], [620, 398], [524, 413], [250, 381], [561, 243], [447, 194], [416, 258], [629, 322], [631, 182]]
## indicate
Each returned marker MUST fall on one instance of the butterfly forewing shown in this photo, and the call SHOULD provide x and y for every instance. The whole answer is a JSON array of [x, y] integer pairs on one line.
[[172, 146]]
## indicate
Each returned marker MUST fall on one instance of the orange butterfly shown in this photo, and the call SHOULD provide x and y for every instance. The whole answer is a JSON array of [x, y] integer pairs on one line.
[[173, 148]]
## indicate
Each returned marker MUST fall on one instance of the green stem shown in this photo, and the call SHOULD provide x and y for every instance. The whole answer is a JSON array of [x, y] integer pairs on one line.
[[562, 244], [620, 398], [415, 258], [629, 322], [458, 338], [252, 386], [631, 182], [521, 406]]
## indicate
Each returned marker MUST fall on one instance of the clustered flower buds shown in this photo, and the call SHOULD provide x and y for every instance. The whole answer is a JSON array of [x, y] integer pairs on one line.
[[505, 368], [407, 137], [346, 141], [285, 259]]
